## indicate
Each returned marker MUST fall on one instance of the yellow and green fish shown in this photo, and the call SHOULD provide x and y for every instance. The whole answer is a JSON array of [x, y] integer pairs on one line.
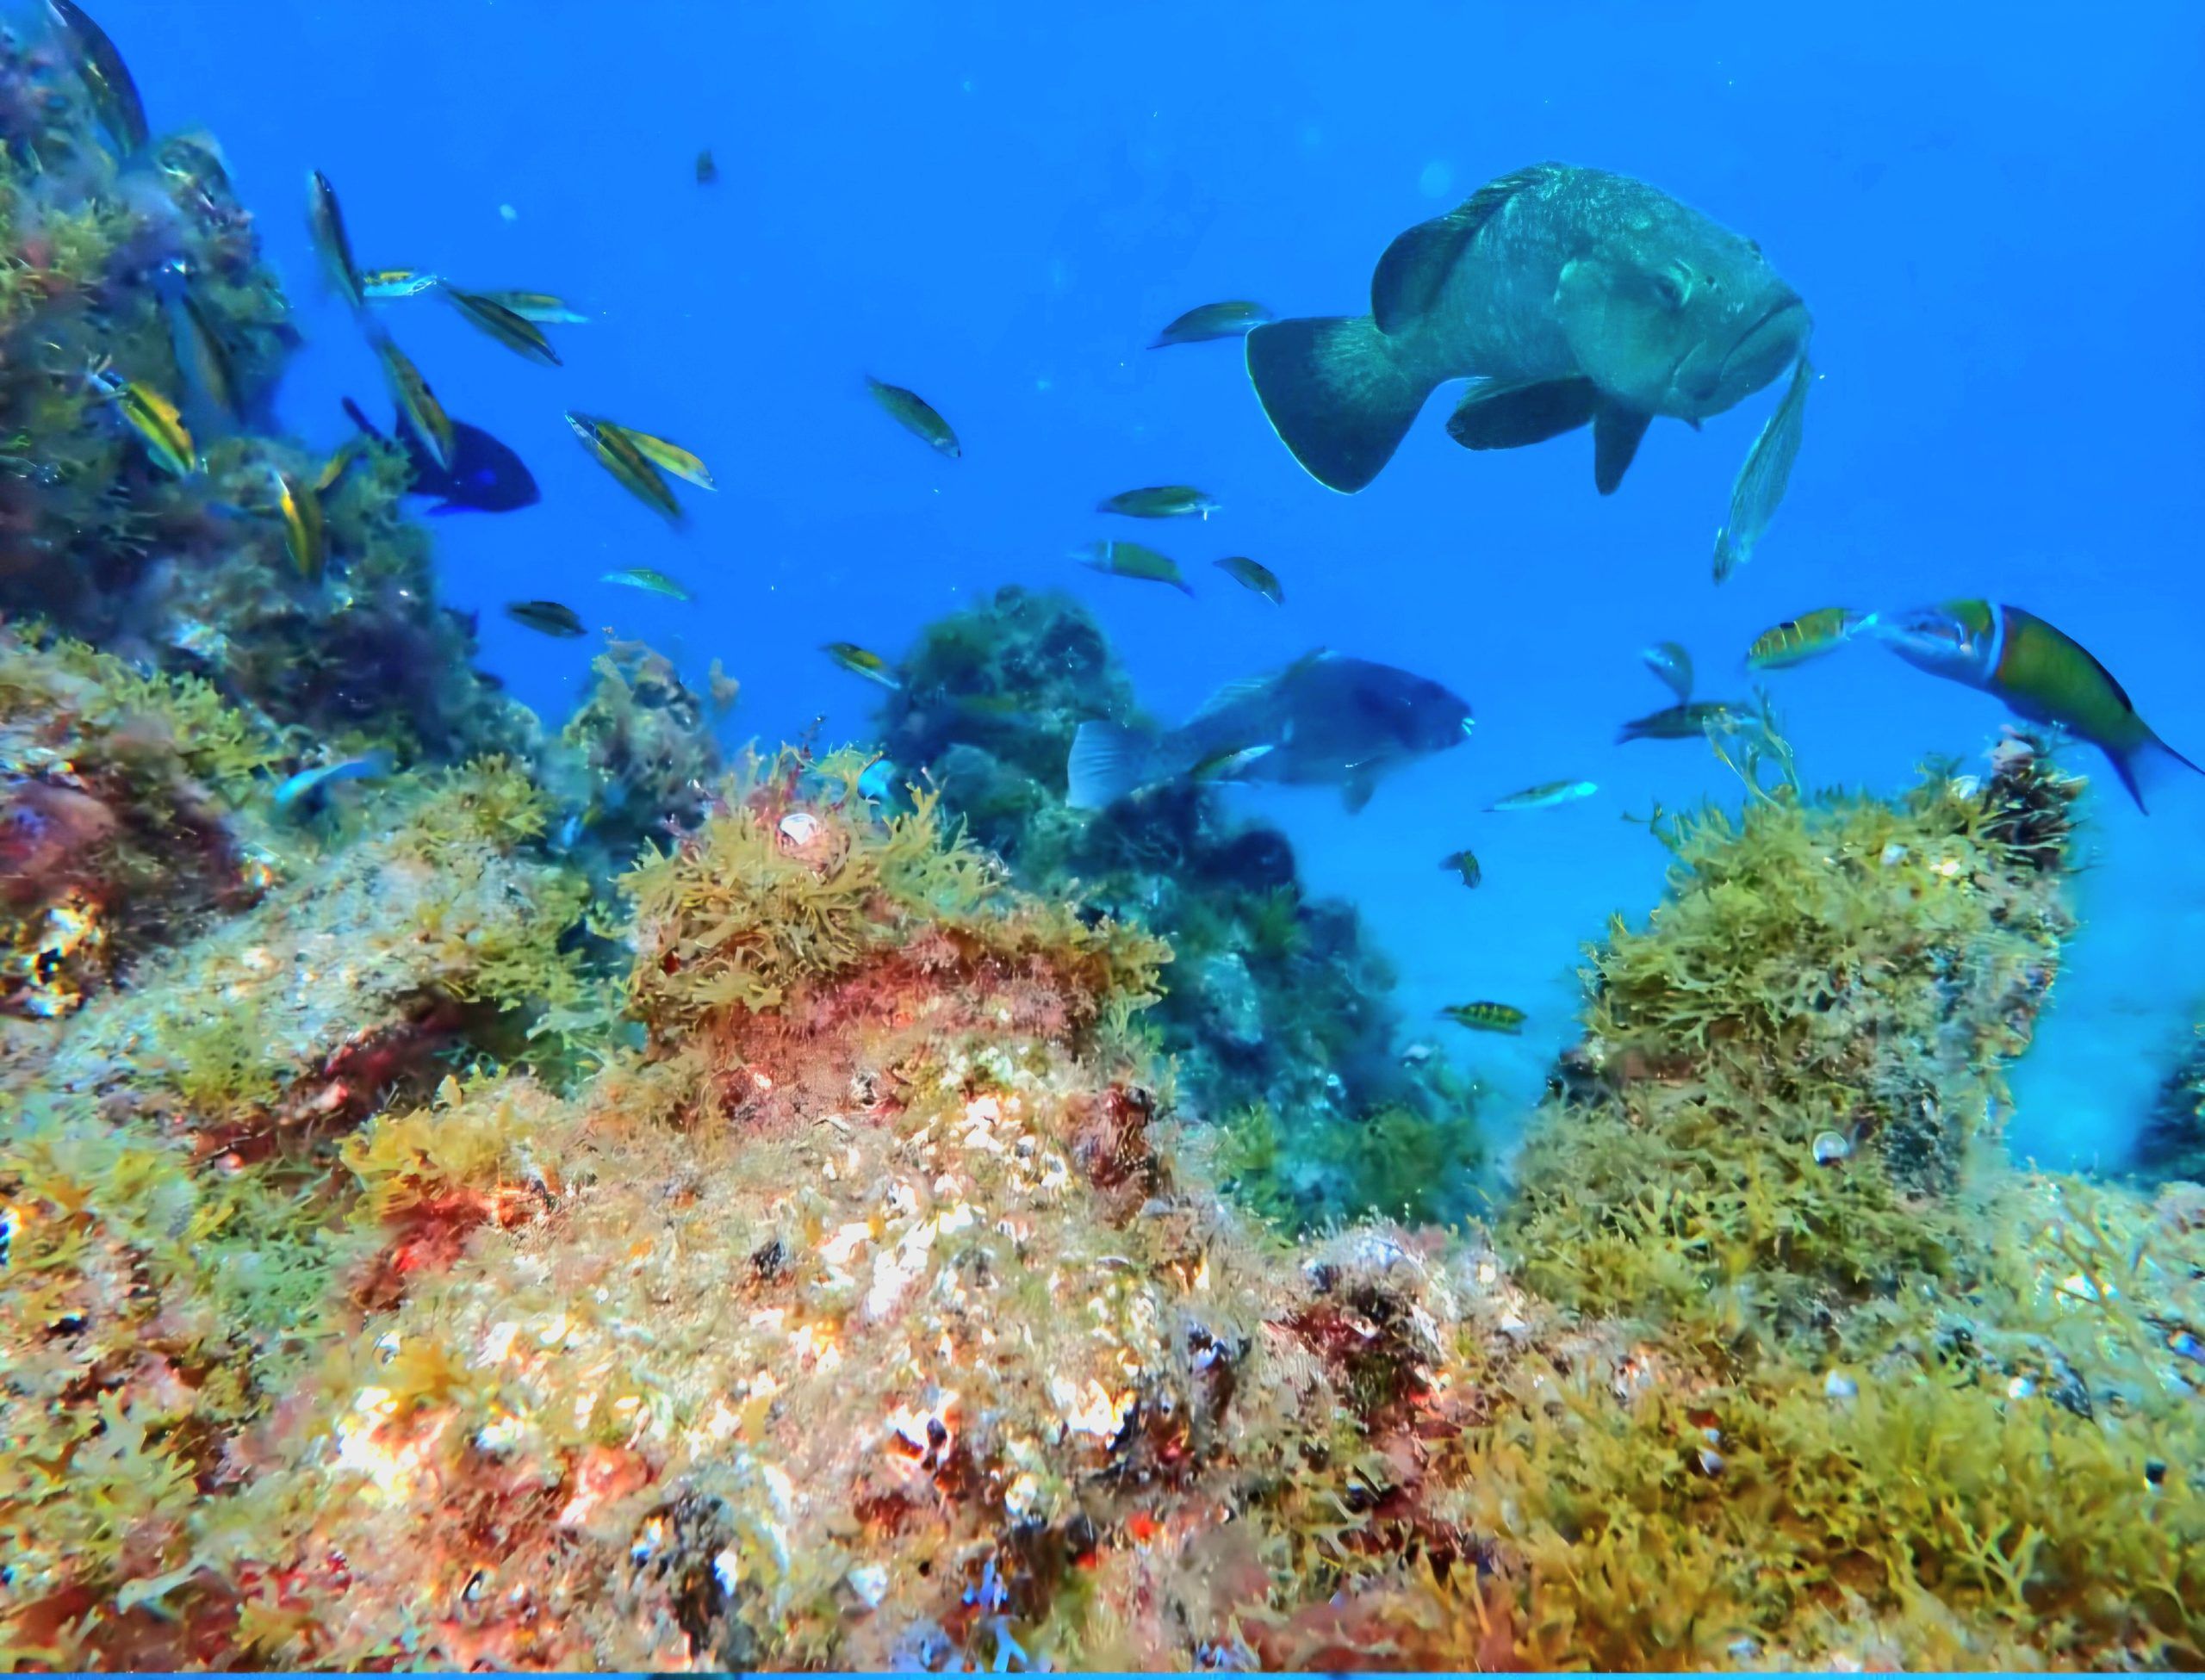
[[305, 539], [158, 422], [1483, 1017], [1253, 576], [916, 415], [1160, 501], [539, 307], [862, 662], [668, 457], [1810, 636], [386, 283], [654, 583], [617, 453], [1463, 864], [1546, 794], [327, 223], [1230, 319], [1132, 560], [114, 96], [521, 336], [2044, 675], [417, 401]]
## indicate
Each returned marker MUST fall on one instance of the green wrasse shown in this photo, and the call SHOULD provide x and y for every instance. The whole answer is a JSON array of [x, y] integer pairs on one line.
[[522, 337], [1670, 662], [1685, 721], [305, 538], [619, 456], [861, 662], [1160, 501], [654, 583], [1231, 320], [539, 307], [158, 422], [668, 457], [210, 387], [1465, 864], [340, 464], [327, 223], [1546, 794], [1486, 1017], [916, 415], [552, 617], [2044, 676], [1251, 574], [106, 78], [1810, 636], [1228, 764], [416, 401], [1132, 559], [384, 283]]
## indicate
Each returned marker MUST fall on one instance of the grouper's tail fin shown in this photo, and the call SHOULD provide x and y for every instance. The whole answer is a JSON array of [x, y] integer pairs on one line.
[[1338, 392], [1108, 762]]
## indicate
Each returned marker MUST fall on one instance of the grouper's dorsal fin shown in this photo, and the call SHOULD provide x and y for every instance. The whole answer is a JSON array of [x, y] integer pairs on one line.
[[1416, 265], [1247, 688]]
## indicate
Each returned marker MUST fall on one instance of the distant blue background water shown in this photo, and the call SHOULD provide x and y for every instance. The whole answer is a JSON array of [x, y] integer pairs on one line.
[[1995, 213]]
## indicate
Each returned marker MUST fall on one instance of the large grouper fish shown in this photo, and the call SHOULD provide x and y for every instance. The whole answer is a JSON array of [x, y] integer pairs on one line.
[[1326, 720], [1572, 295]]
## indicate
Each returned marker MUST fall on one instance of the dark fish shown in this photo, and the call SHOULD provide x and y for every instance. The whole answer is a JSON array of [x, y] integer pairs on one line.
[[1573, 294], [1464, 863], [552, 617], [327, 223], [1253, 576], [114, 96], [1486, 1017], [1330, 720], [1132, 560], [2043, 675], [517, 334], [916, 415], [1670, 662], [1231, 320], [1687, 721], [484, 477], [707, 170]]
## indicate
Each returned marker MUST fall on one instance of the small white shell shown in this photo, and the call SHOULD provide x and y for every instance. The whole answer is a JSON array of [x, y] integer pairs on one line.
[[1830, 1148], [800, 829], [1893, 853], [1839, 1386]]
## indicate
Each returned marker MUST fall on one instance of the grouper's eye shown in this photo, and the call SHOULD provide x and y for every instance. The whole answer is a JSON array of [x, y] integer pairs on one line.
[[1674, 286]]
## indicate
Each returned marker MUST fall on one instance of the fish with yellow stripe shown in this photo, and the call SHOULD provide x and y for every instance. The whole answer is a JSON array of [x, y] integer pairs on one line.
[[158, 422], [2043, 674]]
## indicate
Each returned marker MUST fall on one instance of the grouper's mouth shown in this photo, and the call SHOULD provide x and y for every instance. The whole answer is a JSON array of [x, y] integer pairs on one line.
[[1767, 348]]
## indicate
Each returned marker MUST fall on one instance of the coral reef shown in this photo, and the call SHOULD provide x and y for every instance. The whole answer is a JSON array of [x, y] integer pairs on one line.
[[563, 1202], [1276, 1020]]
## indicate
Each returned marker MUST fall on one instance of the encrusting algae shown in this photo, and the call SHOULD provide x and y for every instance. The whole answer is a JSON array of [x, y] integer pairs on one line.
[[565, 1201]]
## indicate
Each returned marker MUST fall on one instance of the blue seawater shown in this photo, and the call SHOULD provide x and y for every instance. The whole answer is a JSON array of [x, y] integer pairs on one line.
[[1997, 213]]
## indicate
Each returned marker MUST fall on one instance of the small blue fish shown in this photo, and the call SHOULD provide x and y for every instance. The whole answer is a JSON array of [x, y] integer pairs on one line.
[[297, 789]]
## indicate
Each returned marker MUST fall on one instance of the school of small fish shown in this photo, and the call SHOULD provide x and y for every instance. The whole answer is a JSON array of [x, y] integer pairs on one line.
[[1566, 297]]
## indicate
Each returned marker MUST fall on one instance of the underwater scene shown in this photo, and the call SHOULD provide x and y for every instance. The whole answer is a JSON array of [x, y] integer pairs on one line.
[[987, 838]]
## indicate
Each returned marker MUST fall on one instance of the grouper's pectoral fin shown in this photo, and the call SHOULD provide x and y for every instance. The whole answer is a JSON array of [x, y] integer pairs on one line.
[[1499, 416], [1360, 783], [1616, 432]]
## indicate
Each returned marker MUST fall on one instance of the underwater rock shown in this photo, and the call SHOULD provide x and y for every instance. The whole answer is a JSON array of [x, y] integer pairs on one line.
[[1278, 1003], [2171, 1144]]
